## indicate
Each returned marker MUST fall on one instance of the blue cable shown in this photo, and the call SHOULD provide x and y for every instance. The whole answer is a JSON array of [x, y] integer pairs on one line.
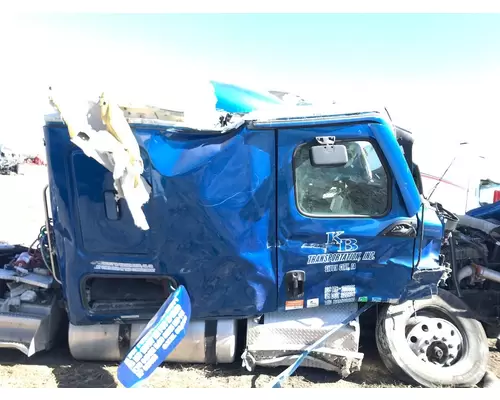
[[277, 383]]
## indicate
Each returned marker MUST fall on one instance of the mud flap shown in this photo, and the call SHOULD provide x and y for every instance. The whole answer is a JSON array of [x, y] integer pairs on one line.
[[158, 339]]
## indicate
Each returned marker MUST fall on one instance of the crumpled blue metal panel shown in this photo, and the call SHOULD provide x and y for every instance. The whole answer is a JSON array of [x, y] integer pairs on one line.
[[212, 218], [427, 271], [217, 197]]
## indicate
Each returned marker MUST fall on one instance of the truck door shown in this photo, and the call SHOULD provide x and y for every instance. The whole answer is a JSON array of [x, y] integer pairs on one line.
[[344, 233]]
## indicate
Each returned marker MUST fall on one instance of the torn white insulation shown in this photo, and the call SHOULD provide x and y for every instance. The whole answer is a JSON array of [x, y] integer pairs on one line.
[[101, 130]]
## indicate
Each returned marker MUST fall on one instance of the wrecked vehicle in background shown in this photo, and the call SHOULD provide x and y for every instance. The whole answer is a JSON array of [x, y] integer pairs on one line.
[[9, 161], [268, 231]]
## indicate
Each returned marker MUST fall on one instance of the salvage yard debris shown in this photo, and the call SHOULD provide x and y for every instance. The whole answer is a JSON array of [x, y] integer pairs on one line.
[[10, 161], [27, 275]]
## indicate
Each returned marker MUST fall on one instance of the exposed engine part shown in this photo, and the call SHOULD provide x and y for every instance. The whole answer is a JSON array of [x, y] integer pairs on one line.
[[475, 242], [451, 220], [454, 264], [471, 247], [474, 252], [478, 272], [479, 224], [479, 239]]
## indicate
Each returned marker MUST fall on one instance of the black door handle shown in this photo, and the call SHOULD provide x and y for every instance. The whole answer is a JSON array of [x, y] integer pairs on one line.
[[111, 206], [405, 228]]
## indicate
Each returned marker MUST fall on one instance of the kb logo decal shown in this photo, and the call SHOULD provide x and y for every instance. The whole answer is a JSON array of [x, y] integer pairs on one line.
[[344, 245]]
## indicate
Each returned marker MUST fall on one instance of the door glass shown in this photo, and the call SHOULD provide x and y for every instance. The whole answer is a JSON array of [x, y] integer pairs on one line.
[[359, 188]]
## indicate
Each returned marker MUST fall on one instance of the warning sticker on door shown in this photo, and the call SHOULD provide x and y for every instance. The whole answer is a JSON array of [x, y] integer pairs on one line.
[[294, 304], [340, 294], [311, 303]]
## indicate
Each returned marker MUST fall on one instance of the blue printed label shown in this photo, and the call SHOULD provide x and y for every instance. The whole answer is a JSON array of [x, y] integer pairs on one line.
[[160, 337]]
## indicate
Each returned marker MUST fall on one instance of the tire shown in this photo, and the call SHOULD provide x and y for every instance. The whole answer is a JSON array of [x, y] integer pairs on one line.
[[468, 367]]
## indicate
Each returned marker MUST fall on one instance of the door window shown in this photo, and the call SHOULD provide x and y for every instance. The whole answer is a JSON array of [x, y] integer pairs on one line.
[[359, 188]]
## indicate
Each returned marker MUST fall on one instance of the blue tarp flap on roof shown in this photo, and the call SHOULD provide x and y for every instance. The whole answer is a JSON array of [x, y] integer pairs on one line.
[[235, 99]]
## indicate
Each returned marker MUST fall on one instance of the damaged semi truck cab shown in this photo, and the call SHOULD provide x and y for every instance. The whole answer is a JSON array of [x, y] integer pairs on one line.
[[277, 228], [273, 216], [245, 220]]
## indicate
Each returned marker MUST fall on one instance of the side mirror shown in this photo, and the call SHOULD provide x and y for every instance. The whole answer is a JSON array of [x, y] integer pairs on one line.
[[328, 155]]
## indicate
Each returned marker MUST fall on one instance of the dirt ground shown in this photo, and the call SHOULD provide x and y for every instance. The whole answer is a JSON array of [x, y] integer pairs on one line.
[[21, 216]]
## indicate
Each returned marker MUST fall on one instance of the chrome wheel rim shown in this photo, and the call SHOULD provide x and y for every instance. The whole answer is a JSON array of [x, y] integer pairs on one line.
[[434, 340]]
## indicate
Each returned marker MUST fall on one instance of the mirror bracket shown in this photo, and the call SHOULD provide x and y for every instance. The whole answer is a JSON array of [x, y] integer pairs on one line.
[[326, 140]]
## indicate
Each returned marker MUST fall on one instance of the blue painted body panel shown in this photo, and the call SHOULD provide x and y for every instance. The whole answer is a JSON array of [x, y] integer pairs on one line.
[[224, 222], [489, 211], [426, 269], [384, 278], [212, 218]]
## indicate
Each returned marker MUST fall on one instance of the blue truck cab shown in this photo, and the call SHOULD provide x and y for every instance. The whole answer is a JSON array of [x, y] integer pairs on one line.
[[247, 222], [277, 227], [244, 221]]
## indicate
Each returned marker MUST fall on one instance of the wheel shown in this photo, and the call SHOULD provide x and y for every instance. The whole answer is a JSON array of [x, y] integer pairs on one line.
[[433, 342]]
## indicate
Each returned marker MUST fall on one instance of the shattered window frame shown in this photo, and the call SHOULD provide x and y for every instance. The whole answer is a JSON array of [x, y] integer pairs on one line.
[[384, 168]]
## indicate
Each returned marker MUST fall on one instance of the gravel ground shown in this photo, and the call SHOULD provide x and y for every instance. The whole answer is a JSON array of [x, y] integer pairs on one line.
[[22, 216]]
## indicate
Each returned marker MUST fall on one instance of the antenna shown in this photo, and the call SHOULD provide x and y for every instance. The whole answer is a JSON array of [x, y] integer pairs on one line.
[[445, 172]]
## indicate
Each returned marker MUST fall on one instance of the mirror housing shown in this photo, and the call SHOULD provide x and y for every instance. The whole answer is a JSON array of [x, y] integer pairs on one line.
[[330, 155]]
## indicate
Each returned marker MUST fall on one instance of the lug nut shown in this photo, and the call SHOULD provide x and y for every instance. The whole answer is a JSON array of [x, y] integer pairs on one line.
[[435, 338], [438, 352], [444, 339], [426, 342], [450, 346]]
